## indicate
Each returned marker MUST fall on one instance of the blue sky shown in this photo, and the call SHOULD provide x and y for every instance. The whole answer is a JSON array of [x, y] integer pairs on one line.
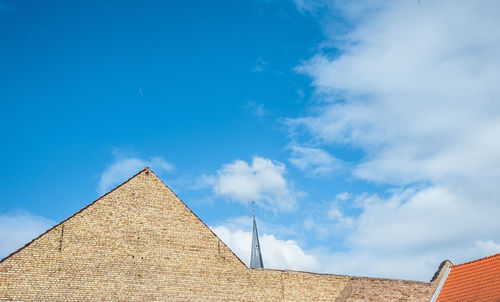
[[366, 132]]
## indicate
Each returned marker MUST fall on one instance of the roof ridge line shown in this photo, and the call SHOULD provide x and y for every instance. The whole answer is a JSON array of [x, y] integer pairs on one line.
[[477, 260], [339, 275], [74, 214], [189, 209]]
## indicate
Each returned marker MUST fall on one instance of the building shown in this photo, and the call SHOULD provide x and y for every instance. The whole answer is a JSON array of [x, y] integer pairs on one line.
[[140, 242], [478, 280]]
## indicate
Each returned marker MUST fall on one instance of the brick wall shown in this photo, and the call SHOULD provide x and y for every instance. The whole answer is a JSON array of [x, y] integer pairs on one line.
[[374, 289], [141, 243]]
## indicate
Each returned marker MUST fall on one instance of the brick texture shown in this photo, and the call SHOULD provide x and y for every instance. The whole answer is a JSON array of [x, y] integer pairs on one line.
[[140, 242], [373, 289]]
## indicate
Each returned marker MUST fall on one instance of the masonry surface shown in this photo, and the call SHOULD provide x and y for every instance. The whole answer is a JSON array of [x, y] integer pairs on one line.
[[140, 242]]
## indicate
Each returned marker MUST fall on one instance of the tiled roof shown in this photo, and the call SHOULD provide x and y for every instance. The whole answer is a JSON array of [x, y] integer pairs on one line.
[[478, 280]]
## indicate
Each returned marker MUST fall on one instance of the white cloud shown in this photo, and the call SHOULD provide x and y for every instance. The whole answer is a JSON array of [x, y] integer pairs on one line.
[[17, 229], [414, 228], [416, 89], [418, 98], [330, 219], [424, 220], [123, 168], [262, 180], [313, 161], [482, 248], [276, 253]]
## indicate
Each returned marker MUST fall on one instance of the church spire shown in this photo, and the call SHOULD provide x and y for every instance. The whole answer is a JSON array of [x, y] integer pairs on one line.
[[256, 257]]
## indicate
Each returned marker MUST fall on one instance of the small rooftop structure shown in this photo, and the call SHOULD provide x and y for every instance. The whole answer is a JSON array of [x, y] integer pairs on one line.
[[256, 256]]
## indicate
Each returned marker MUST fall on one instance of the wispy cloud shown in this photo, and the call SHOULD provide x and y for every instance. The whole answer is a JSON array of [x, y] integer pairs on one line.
[[255, 109], [259, 66], [262, 180], [415, 88], [16, 229], [313, 161], [310, 6], [124, 167]]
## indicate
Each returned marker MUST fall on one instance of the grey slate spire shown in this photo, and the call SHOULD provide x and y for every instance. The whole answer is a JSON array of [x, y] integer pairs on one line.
[[256, 257]]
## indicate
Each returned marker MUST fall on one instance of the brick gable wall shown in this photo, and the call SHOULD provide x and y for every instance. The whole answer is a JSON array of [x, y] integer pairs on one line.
[[141, 243]]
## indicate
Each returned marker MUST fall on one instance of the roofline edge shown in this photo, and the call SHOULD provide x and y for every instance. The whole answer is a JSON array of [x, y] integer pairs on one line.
[[440, 285]]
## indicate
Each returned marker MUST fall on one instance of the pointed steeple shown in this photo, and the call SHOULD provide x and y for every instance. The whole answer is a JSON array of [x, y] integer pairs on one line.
[[256, 257]]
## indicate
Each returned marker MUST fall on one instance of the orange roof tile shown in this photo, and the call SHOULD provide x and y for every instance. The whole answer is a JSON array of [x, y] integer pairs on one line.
[[478, 280]]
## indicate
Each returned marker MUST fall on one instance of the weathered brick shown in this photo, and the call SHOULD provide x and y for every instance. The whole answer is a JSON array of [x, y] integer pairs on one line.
[[140, 242]]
